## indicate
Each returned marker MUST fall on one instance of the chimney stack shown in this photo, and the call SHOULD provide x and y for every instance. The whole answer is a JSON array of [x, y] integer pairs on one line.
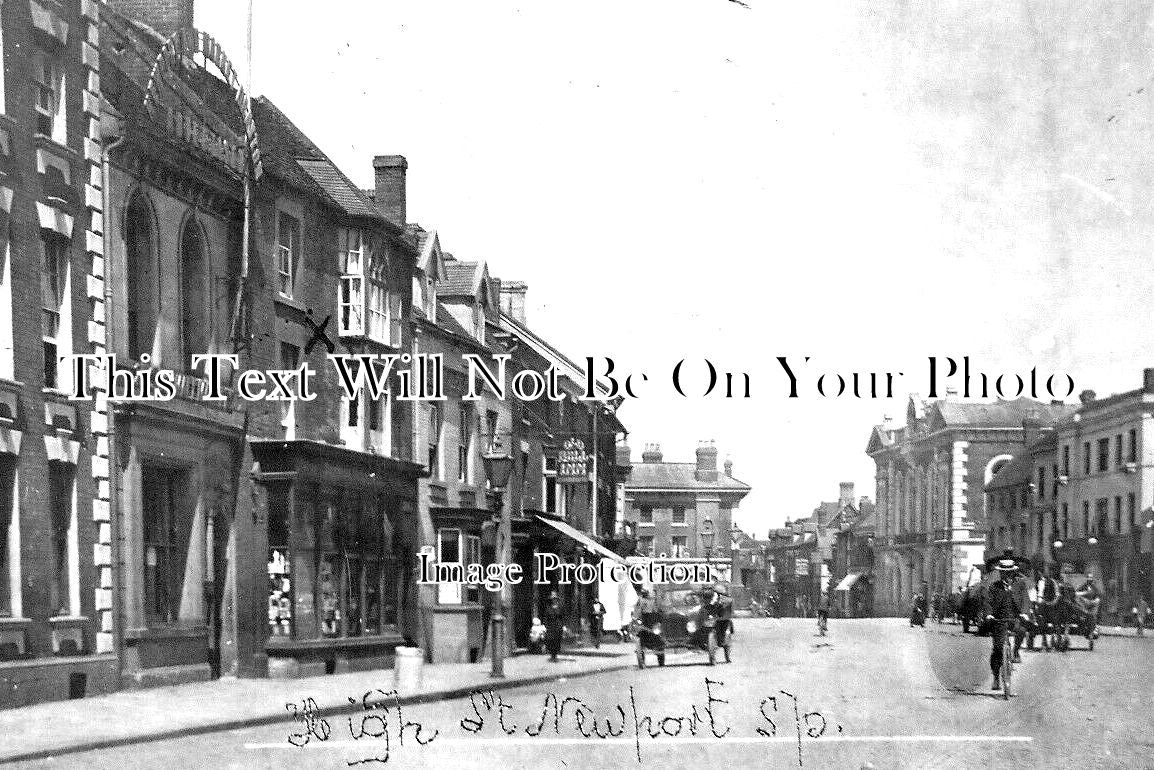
[[513, 299], [728, 467], [652, 453], [845, 496], [390, 187], [623, 455], [706, 462], [1148, 380], [164, 16]]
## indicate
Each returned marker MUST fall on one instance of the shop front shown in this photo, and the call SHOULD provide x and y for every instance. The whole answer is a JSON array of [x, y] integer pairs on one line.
[[341, 550]]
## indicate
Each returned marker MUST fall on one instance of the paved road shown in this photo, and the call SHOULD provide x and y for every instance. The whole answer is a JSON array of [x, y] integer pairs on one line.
[[872, 692]]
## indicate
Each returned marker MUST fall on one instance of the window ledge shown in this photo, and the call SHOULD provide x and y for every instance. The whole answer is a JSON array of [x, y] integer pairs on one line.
[[289, 302], [47, 142], [8, 620], [68, 620], [166, 632]]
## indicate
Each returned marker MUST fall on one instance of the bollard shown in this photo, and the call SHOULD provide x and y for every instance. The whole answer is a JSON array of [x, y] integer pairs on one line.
[[407, 669]]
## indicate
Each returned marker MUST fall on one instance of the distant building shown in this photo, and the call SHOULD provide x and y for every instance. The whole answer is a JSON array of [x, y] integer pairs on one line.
[[1081, 495], [931, 517], [670, 505]]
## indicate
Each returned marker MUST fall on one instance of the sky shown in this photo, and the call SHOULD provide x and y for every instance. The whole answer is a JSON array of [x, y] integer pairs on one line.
[[867, 185]]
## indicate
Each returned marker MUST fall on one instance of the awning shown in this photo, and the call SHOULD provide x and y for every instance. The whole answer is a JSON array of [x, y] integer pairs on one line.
[[847, 581], [587, 542]]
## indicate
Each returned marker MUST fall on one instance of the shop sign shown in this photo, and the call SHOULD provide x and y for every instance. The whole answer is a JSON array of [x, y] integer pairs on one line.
[[571, 462]]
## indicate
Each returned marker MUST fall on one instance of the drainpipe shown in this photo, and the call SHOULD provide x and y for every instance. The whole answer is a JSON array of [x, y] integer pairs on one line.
[[113, 465]]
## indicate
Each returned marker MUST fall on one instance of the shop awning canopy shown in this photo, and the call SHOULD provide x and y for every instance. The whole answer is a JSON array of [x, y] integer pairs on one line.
[[847, 582], [587, 542]]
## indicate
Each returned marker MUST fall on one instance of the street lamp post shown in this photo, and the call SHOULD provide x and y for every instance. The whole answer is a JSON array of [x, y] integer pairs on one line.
[[498, 468]]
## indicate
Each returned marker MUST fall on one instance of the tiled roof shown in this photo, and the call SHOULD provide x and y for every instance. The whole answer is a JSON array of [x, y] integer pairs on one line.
[[338, 187], [677, 476], [1001, 413], [461, 279], [446, 321], [282, 143]]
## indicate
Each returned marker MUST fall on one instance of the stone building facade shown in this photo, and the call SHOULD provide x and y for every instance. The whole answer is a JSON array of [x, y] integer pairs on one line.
[[932, 522]]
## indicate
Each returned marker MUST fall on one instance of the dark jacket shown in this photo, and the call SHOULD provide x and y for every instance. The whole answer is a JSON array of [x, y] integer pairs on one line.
[[1000, 602]]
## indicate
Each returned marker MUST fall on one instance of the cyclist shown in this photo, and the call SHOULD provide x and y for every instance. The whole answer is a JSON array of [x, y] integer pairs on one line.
[[1001, 610]]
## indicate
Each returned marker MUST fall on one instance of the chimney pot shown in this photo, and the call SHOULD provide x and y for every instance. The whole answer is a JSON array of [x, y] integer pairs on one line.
[[390, 172]]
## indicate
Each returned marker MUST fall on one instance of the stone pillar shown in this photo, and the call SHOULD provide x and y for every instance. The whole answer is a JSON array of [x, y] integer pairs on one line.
[[132, 543]]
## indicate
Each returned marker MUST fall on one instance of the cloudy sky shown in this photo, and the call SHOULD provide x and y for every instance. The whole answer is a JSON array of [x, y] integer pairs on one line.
[[865, 184]]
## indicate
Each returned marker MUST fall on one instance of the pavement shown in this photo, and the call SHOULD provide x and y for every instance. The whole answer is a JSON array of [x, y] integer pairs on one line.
[[872, 693], [47, 730]]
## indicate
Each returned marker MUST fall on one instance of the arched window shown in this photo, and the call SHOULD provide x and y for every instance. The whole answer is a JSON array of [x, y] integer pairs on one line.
[[141, 277], [193, 276]]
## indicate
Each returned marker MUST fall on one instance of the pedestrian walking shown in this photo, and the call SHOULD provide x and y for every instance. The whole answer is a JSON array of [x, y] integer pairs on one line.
[[1141, 612], [596, 621], [553, 631]]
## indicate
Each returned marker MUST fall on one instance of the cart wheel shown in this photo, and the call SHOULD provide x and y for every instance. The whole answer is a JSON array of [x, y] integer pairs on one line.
[[661, 659], [640, 660]]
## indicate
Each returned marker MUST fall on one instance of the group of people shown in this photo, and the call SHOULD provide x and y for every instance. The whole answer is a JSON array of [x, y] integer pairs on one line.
[[548, 636]]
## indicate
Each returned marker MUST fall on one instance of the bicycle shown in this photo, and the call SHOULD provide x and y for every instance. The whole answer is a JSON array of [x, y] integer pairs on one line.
[[1007, 670]]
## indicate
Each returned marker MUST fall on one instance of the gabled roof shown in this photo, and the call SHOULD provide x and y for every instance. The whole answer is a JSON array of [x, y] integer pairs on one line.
[[679, 476], [880, 439], [463, 279], [338, 188], [429, 253]]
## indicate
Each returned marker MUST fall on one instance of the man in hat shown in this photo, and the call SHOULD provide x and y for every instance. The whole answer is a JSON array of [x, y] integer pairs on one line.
[[1001, 610]]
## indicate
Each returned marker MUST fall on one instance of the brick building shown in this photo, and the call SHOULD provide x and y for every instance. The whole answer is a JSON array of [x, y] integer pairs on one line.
[[671, 504], [55, 624], [931, 519], [1082, 495]]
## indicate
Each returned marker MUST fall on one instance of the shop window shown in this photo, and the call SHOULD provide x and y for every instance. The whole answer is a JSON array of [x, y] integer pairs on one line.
[[194, 308], [680, 545], [288, 237], [55, 315], [49, 98], [142, 278], [9, 543], [454, 546], [356, 576], [280, 578], [61, 504], [645, 545], [166, 534]]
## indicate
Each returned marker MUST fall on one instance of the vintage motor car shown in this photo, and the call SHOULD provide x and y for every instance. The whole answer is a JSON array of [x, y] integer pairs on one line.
[[684, 619]]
